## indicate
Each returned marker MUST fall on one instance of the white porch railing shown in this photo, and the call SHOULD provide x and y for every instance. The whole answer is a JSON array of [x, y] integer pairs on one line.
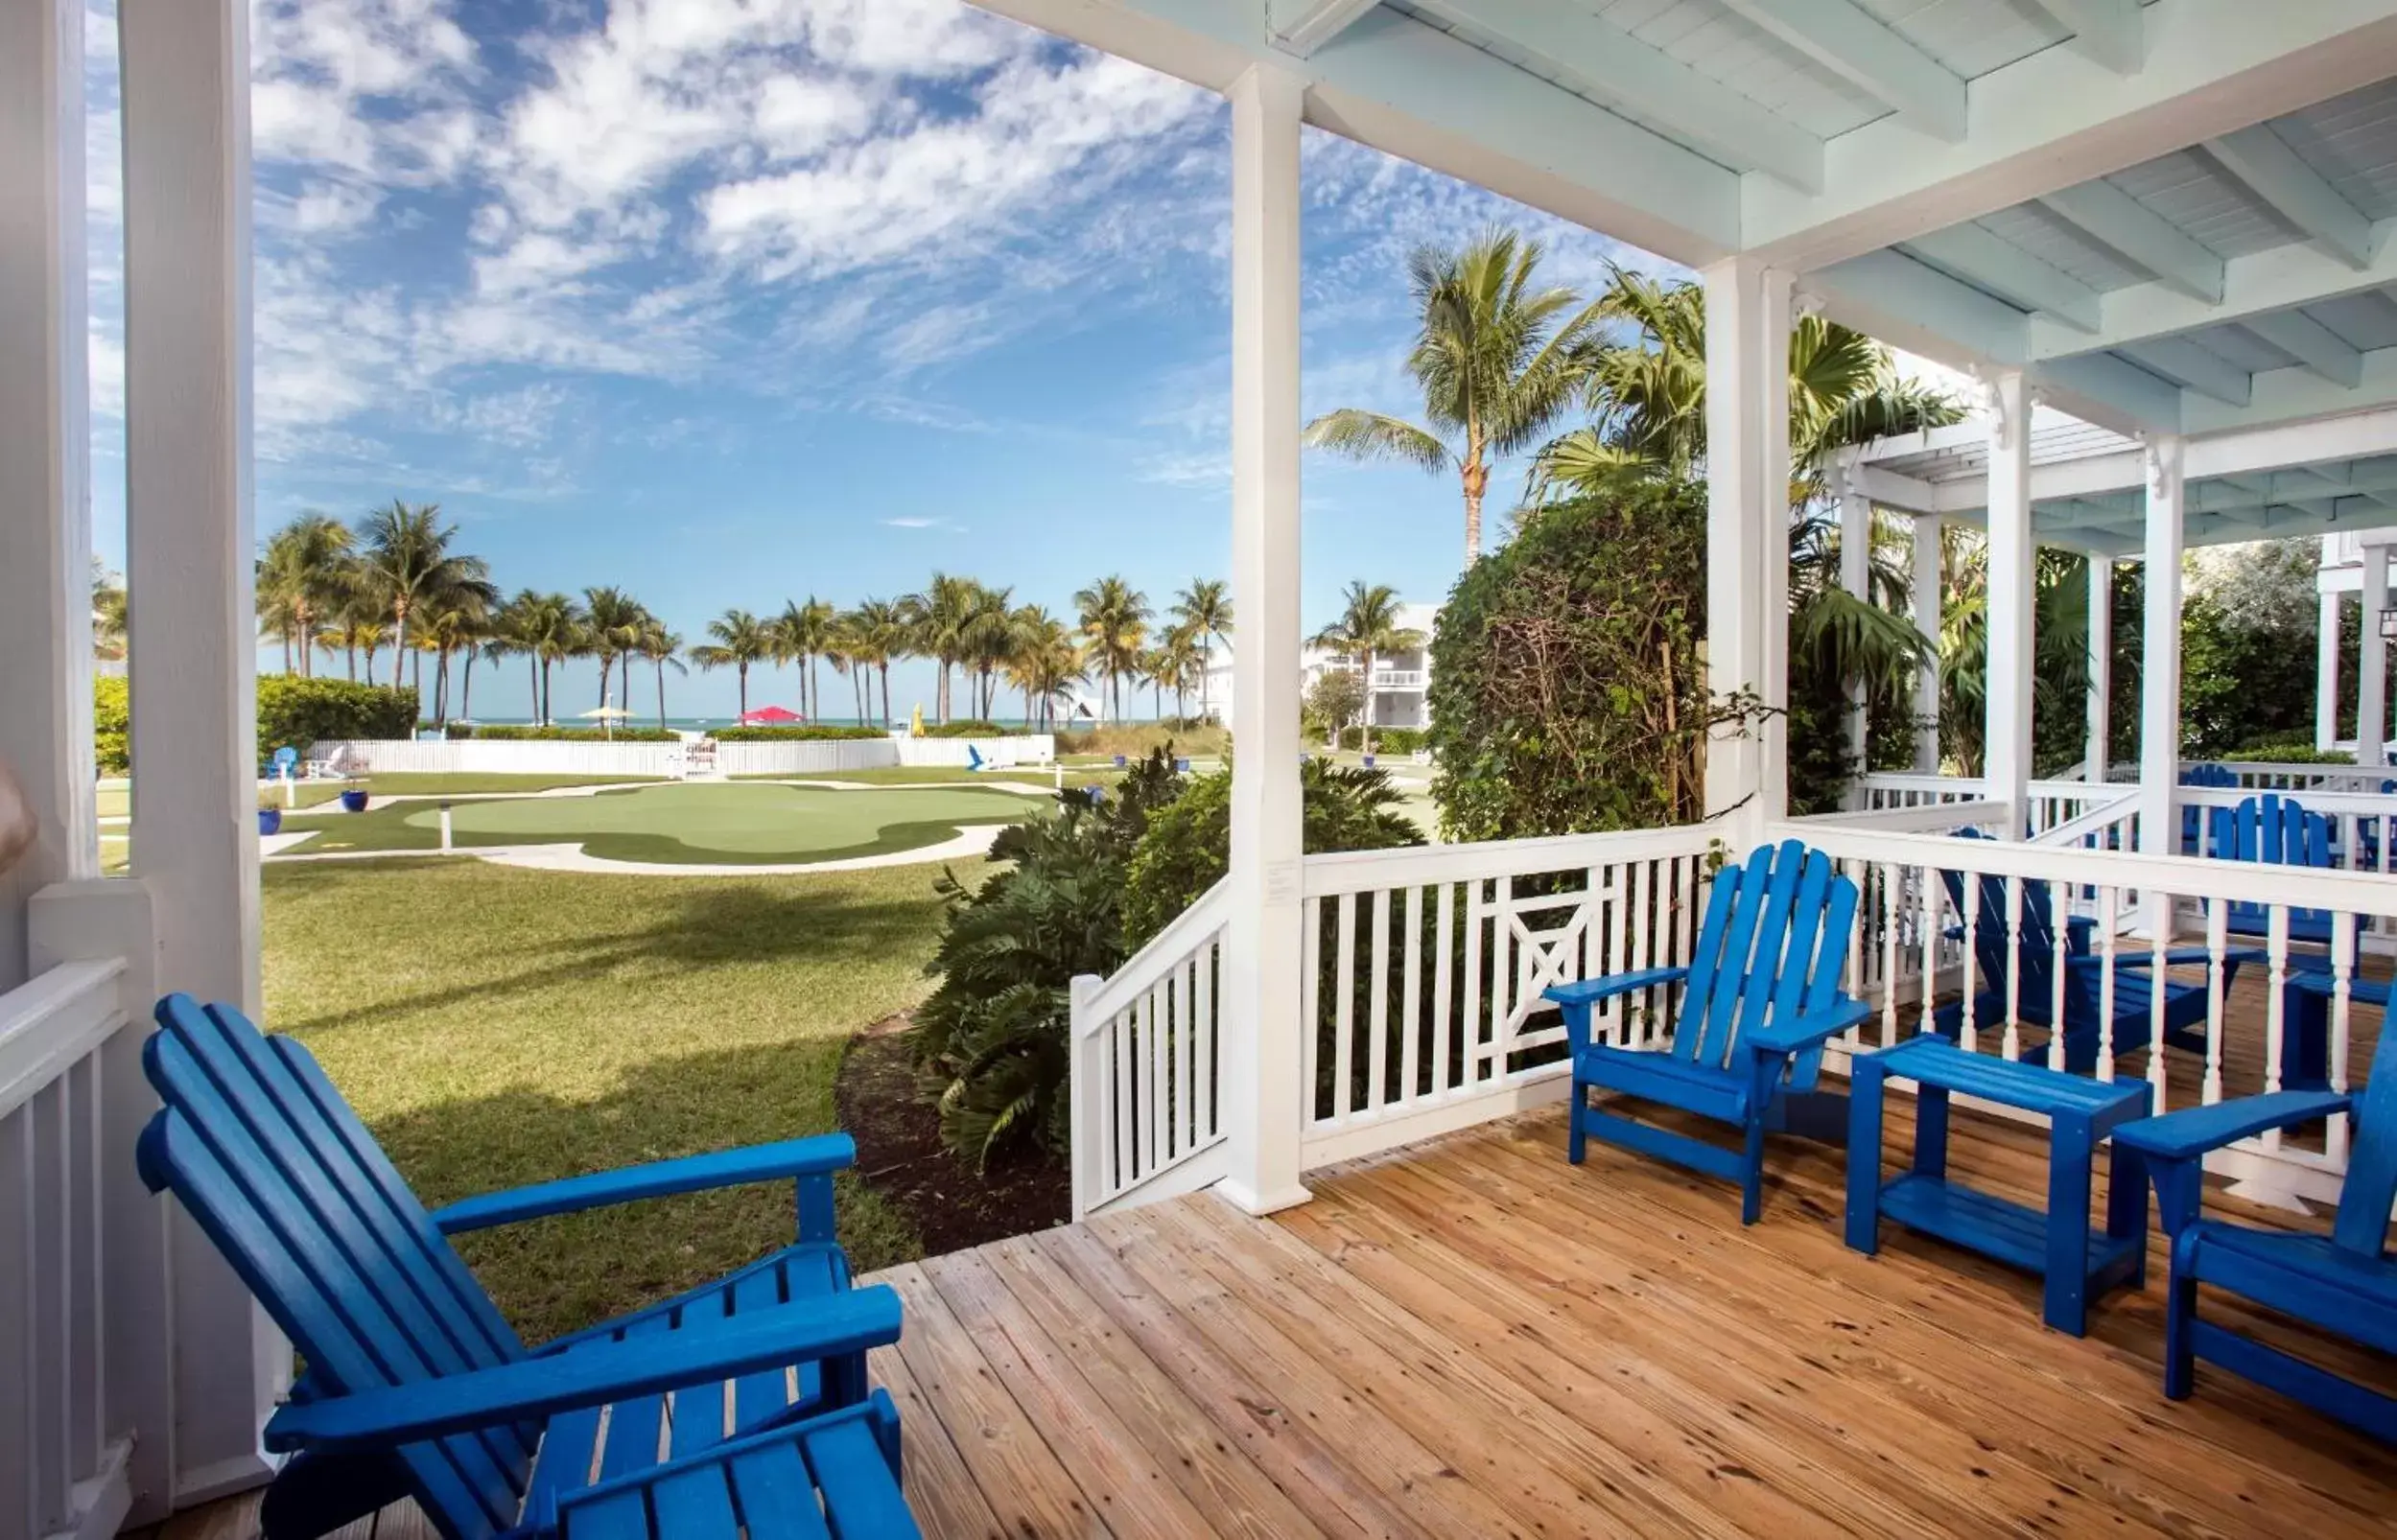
[[2051, 801], [1146, 1064], [2301, 778], [64, 1446], [1424, 967]]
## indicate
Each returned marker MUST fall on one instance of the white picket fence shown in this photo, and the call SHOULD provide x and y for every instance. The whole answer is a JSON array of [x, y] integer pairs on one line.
[[66, 1423], [1147, 1066], [2052, 801]]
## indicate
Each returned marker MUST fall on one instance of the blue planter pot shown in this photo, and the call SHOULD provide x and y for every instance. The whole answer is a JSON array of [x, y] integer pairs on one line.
[[269, 820], [353, 802]]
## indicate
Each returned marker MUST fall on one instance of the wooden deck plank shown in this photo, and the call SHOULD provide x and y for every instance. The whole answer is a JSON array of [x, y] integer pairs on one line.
[[940, 1490]]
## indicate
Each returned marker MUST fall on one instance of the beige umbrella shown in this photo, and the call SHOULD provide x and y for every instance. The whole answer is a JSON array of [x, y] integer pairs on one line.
[[608, 716]]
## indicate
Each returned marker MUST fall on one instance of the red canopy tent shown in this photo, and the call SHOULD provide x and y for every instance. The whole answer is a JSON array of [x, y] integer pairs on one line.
[[770, 717]]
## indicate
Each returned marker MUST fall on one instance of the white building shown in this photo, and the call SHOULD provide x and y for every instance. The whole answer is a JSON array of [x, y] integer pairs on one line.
[[1397, 694]]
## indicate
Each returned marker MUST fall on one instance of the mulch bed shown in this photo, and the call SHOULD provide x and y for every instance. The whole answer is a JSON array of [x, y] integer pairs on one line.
[[882, 1105]]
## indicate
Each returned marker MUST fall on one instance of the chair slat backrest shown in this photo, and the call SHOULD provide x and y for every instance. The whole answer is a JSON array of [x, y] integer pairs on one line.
[[1771, 947], [2278, 830], [1998, 951], [277, 1169], [2371, 1186]]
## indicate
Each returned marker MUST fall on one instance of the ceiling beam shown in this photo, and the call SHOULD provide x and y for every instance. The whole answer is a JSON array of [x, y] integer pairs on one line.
[[2111, 392], [2107, 31], [1303, 26], [2261, 161], [2006, 271], [2288, 396], [2120, 222], [2313, 344], [2057, 117], [2263, 282], [2179, 360], [1622, 72], [1891, 297], [1847, 41]]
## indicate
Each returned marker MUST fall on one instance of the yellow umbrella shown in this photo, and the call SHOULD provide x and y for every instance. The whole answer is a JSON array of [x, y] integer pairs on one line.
[[915, 723]]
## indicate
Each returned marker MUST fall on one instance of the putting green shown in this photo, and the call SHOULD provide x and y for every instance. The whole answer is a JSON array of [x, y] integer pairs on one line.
[[718, 822]]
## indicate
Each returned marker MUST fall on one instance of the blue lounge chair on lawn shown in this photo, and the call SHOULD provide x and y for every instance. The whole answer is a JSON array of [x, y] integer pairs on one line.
[[2034, 950], [1761, 998], [415, 1385], [2275, 828], [2344, 1282]]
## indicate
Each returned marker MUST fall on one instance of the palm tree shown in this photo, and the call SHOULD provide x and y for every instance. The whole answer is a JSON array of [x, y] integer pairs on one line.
[[1498, 362], [741, 639], [107, 614], [878, 633], [800, 634], [1115, 622], [305, 574], [1203, 610], [1042, 660], [406, 560], [365, 636], [660, 646], [612, 618], [985, 638], [1368, 626], [462, 623], [936, 621], [1179, 659], [544, 628]]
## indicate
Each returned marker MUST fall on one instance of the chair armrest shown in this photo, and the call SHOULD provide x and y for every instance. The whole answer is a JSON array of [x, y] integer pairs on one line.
[[2174, 957], [535, 1388], [819, 1156], [1811, 1030], [1590, 990], [2193, 1130], [2077, 930]]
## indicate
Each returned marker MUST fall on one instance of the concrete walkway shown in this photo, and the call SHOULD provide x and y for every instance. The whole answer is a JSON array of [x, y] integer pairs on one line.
[[560, 857]]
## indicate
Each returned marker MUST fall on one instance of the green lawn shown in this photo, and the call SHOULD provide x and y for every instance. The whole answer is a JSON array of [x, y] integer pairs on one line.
[[496, 1027], [700, 822]]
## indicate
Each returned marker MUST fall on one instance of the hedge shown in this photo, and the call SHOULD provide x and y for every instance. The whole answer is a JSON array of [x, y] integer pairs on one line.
[[969, 730], [111, 724], [297, 710], [576, 734], [810, 733]]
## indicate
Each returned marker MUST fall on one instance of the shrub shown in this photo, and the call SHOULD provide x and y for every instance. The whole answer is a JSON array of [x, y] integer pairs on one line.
[[1188, 843], [1567, 694], [1400, 740], [993, 1033], [112, 725], [506, 734], [2288, 751], [810, 733], [299, 711], [967, 730], [1135, 742], [1335, 700]]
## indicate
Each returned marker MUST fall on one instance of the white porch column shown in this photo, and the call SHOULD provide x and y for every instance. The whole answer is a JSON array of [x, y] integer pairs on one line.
[[2159, 663], [1856, 579], [1748, 476], [187, 211], [1928, 573], [2326, 673], [1265, 1097], [2372, 663], [45, 509], [2005, 737], [2101, 667]]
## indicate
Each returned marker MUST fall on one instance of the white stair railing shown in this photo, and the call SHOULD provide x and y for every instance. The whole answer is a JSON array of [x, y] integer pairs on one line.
[[1146, 1065]]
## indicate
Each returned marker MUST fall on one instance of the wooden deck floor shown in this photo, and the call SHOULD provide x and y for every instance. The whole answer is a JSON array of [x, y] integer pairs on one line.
[[1475, 1338]]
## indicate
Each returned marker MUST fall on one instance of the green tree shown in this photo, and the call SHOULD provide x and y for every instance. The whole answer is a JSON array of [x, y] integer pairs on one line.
[[936, 622], [306, 575], [407, 562], [878, 635], [1498, 362], [1115, 625], [1042, 663], [1367, 628], [739, 640], [800, 634], [663, 649], [612, 618], [108, 616], [1203, 610], [1336, 699]]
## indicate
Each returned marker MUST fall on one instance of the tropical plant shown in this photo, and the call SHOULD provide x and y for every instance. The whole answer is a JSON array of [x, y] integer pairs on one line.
[[799, 635], [1179, 662], [107, 614], [936, 622], [1115, 624], [307, 572], [462, 623], [1336, 699], [1042, 661], [406, 561], [739, 640], [878, 636], [612, 623], [1498, 362], [663, 649], [1367, 628], [985, 640], [544, 629], [1203, 610]]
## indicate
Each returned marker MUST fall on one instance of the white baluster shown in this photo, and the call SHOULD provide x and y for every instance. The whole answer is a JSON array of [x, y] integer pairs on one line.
[[1970, 963], [1411, 999], [2217, 942], [2342, 979], [1501, 978], [1888, 876], [1443, 939], [2275, 1012], [2159, 943], [1469, 1059], [2060, 911], [1931, 894], [1378, 1005], [1344, 1005], [1209, 1070], [2108, 927], [2011, 1046], [1310, 1003]]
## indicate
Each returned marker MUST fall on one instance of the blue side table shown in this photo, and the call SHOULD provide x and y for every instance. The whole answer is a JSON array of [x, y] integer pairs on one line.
[[2058, 1243]]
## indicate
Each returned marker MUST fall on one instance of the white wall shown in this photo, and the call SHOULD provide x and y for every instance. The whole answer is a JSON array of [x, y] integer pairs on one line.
[[1030, 748], [804, 756], [368, 757]]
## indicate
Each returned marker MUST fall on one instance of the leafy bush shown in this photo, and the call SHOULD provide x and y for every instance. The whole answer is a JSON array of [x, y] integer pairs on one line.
[[506, 734], [1335, 700], [300, 711], [1132, 742], [1188, 843], [2287, 751], [993, 1033], [967, 730], [1400, 740], [113, 725], [810, 733], [1567, 694]]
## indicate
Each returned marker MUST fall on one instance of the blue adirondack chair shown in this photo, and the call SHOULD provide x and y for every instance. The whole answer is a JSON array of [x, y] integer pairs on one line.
[[415, 1385], [2344, 1282], [2277, 828], [2033, 952], [2214, 776], [1760, 998]]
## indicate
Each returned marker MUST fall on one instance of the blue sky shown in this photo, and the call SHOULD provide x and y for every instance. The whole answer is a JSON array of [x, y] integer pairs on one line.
[[730, 302]]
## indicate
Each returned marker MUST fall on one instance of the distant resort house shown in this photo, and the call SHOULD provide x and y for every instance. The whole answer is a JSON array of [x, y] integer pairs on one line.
[[1396, 695]]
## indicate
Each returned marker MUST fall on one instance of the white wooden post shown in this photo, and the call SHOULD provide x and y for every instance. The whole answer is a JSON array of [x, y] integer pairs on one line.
[[2006, 734], [2101, 667], [45, 510], [2159, 663], [1264, 1102], [2326, 671], [1856, 579], [192, 649], [1748, 465], [1929, 571], [2372, 663]]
